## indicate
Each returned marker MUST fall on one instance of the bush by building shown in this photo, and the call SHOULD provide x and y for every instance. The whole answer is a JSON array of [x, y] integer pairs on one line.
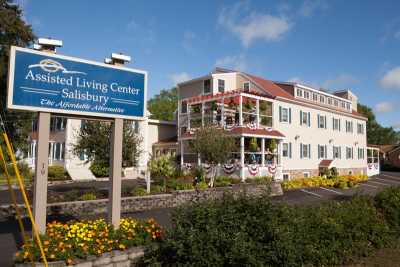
[[57, 173], [255, 232]]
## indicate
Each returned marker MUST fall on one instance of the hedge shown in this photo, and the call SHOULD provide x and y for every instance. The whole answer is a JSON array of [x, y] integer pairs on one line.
[[256, 232]]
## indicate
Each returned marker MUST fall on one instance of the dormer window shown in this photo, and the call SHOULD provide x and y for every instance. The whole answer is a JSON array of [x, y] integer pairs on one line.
[[322, 99], [246, 86], [329, 101], [206, 86], [306, 94], [336, 103], [299, 92], [315, 97]]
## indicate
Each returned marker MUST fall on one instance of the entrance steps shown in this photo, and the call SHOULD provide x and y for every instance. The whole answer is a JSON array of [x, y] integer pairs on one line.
[[79, 171]]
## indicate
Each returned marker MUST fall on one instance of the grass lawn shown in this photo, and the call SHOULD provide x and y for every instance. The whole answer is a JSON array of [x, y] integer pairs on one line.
[[382, 257]]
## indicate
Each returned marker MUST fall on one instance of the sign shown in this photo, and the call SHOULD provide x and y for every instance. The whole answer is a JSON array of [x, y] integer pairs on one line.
[[40, 81]]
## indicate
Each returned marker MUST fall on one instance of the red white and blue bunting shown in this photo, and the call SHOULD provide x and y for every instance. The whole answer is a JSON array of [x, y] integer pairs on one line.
[[187, 166], [272, 169], [253, 169], [206, 167], [229, 168]]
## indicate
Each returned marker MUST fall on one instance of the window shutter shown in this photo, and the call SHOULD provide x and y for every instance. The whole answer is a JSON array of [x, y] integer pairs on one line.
[[340, 152], [339, 125], [309, 121], [280, 114], [319, 149], [333, 123], [326, 152], [301, 150], [325, 121], [318, 121], [309, 151], [290, 115], [301, 117], [290, 150]]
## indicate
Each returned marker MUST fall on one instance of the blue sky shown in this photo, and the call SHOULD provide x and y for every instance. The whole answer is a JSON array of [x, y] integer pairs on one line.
[[332, 44]]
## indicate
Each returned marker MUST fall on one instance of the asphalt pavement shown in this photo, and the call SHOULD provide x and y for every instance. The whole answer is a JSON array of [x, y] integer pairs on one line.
[[10, 238]]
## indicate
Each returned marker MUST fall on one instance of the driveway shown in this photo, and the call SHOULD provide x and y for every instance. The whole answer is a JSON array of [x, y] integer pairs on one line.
[[10, 236]]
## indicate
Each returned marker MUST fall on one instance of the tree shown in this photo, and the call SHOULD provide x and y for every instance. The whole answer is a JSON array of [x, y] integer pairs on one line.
[[13, 31], [93, 140], [213, 145], [161, 168], [377, 134], [163, 105]]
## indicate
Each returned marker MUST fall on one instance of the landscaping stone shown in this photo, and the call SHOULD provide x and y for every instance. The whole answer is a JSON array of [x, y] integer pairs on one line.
[[84, 264], [104, 259], [149, 202]]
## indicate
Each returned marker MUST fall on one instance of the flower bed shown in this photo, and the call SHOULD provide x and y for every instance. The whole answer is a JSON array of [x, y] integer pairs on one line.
[[342, 182], [81, 239]]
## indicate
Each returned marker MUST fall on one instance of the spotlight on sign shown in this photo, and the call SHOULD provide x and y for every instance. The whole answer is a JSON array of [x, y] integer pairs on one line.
[[47, 44], [120, 58]]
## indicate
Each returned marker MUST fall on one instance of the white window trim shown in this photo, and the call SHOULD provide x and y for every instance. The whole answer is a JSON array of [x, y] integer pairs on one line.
[[287, 115], [246, 82]]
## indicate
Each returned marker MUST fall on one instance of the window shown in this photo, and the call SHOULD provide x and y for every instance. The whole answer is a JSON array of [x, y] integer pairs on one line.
[[285, 114], [183, 107], [306, 174], [307, 94], [304, 118], [321, 122], [343, 104], [349, 126], [287, 150], [322, 152], [286, 176], [336, 124], [336, 103], [360, 153], [246, 86], [57, 124], [299, 92], [206, 86], [221, 86], [348, 106], [322, 99], [349, 152], [305, 151], [360, 128], [337, 153], [329, 101], [315, 97]]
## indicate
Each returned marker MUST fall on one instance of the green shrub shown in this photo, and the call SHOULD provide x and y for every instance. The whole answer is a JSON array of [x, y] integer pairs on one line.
[[139, 191], [57, 173], [388, 201], [179, 184], [256, 232], [156, 189], [199, 173], [333, 172], [260, 180], [221, 181], [99, 170], [88, 196], [202, 186]]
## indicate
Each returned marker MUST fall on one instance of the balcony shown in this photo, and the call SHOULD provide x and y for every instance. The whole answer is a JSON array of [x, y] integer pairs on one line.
[[229, 110]]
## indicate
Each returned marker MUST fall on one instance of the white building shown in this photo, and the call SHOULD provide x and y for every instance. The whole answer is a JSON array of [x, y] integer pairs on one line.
[[312, 128], [63, 133]]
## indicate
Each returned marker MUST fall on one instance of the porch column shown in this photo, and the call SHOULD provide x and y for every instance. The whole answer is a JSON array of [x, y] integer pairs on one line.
[[242, 158], [279, 149], [202, 113], [188, 116], [263, 151], [198, 160], [258, 113], [182, 154], [223, 113], [51, 152], [240, 110]]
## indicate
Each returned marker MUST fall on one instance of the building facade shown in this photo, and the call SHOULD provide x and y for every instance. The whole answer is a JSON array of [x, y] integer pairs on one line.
[[63, 136], [285, 130]]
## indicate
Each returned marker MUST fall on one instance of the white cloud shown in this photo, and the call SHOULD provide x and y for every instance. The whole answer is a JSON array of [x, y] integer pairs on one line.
[[232, 62], [253, 26], [296, 80], [384, 107], [391, 79], [180, 77], [396, 125], [309, 7], [340, 82]]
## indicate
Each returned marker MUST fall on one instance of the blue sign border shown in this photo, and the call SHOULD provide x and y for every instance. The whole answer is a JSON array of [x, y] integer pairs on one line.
[[11, 80]]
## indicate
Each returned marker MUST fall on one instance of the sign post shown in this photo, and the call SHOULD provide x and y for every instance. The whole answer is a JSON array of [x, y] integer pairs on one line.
[[55, 84]]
